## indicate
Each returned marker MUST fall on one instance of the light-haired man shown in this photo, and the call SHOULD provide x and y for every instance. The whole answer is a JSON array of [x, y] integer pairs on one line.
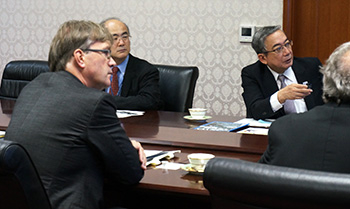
[[69, 125]]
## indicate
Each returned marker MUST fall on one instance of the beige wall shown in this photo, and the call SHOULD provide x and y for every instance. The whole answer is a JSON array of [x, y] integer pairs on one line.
[[184, 32]]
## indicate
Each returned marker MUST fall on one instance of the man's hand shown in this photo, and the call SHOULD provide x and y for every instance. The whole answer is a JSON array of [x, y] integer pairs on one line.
[[293, 91], [142, 154]]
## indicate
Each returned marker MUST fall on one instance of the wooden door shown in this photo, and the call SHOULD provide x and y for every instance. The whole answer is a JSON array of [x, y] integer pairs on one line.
[[316, 27]]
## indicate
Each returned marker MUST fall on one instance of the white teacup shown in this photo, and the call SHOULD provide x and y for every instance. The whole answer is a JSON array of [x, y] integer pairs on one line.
[[199, 160], [197, 112]]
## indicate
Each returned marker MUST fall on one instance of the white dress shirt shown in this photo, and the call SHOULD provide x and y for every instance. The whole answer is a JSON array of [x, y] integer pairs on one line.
[[300, 104]]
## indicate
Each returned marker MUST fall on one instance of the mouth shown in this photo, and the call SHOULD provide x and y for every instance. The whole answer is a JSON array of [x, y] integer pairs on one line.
[[288, 61], [121, 50]]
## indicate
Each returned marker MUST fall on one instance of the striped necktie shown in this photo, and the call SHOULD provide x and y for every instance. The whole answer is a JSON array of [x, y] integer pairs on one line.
[[115, 83], [289, 106]]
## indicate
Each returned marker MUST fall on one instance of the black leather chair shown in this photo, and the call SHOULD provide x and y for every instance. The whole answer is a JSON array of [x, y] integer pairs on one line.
[[177, 85], [240, 184], [20, 184], [19, 73]]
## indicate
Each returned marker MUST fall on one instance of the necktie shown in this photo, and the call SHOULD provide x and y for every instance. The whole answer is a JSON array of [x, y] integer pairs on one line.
[[289, 106], [115, 83]]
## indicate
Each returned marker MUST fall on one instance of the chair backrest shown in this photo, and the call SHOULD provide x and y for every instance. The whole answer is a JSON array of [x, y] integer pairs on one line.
[[20, 184], [177, 85], [19, 73], [235, 183]]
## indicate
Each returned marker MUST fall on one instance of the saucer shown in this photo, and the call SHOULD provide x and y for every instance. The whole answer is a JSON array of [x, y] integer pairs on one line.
[[188, 117], [191, 170]]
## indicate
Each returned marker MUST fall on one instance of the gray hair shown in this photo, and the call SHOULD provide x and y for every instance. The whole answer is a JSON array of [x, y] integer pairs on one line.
[[259, 38], [336, 75], [103, 22]]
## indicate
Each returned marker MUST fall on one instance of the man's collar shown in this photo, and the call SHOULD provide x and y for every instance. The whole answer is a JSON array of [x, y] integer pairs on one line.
[[122, 66]]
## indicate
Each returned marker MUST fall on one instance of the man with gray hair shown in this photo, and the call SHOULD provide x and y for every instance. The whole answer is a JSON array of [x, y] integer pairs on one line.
[[317, 139], [279, 83], [134, 82]]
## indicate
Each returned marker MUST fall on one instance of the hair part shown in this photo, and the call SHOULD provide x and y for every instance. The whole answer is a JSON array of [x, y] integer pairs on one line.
[[259, 38], [73, 35], [336, 75]]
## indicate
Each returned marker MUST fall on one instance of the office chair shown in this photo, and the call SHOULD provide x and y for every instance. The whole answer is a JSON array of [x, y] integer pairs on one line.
[[177, 85], [20, 184], [19, 73], [236, 183]]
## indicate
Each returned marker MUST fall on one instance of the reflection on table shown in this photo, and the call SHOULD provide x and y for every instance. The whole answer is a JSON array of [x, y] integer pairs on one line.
[[160, 130]]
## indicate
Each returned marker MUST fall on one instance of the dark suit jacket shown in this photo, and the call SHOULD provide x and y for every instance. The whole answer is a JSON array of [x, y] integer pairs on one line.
[[75, 139], [316, 140], [140, 90], [259, 84]]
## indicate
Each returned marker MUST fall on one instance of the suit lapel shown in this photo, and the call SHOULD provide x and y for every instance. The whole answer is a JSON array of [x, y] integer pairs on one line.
[[268, 82], [128, 77]]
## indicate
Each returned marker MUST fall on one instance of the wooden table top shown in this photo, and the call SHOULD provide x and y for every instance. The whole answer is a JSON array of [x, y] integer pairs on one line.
[[161, 130]]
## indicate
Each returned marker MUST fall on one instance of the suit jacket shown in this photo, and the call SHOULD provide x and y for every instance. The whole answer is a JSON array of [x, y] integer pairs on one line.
[[259, 84], [316, 140], [74, 138], [140, 89]]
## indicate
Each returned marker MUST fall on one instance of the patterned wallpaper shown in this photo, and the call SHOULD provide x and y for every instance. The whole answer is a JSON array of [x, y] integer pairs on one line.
[[203, 33]]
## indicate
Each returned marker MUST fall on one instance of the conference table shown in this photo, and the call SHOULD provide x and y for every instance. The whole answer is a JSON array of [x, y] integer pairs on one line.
[[167, 131], [161, 130]]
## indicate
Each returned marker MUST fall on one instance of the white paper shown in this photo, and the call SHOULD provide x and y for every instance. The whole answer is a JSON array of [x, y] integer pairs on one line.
[[169, 165], [256, 123], [253, 130], [156, 160], [129, 113]]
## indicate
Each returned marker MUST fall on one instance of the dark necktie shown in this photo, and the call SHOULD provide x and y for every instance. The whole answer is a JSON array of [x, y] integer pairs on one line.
[[115, 84], [289, 106]]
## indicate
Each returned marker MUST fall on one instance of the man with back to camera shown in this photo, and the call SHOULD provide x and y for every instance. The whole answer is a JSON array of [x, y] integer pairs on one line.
[[317, 139], [136, 84], [69, 126], [278, 83]]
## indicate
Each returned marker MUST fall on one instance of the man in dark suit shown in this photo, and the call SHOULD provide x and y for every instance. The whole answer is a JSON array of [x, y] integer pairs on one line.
[[265, 94], [317, 139], [138, 80], [69, 125]]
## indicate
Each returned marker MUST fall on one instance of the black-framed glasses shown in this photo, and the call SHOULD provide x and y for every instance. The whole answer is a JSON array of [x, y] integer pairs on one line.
[[279, 49], [106, 52]]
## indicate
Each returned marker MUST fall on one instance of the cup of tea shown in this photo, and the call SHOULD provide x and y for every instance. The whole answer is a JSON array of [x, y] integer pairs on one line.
[[197, 113], [199, 160]]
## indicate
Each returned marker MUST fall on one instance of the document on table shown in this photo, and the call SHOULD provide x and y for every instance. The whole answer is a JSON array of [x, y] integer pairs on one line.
[[2, 134], [129, 113], [256, 123], [154, 156], [254, 130]]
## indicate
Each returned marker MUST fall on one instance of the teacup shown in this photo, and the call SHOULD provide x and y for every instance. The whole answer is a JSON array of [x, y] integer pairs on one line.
[[197, 113], [199, 160]]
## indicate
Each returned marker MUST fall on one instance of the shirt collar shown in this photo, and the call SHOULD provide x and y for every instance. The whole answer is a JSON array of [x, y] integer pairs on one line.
[[288, 73], [122, 66]]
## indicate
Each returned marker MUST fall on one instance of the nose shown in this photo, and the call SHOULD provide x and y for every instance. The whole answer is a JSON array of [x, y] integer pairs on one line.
[[111, 62], [120, 42], [286, 50]]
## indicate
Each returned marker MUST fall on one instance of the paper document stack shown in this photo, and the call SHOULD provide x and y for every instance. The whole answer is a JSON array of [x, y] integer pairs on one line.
[[154, 156]]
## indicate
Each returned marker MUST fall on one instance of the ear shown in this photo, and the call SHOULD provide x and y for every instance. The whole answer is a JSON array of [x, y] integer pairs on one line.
[[78, 55], [262, 58]]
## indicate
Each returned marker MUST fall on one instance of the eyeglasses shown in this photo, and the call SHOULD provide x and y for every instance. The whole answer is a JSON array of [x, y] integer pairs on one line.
[[280, 48], [123, 37], [107, 52]]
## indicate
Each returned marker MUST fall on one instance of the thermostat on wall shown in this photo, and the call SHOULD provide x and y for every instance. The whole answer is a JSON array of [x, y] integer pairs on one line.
[[246, 33]]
